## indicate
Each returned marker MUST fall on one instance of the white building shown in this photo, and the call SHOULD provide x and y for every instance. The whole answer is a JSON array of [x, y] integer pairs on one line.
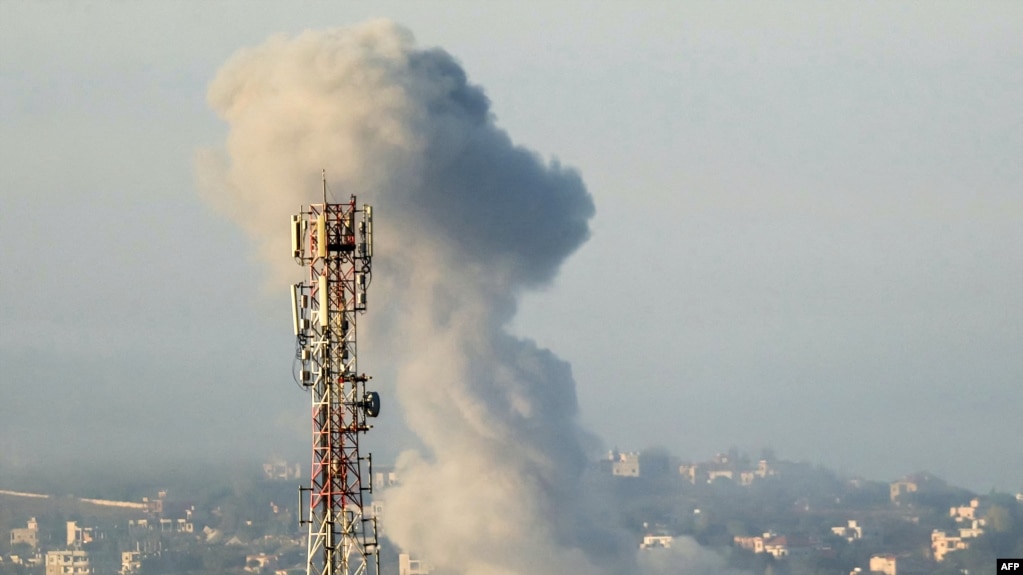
[[942, 544], [971, 513], [260, 563], [29, 535], [78, 536], [131, 562], [657, 542], [386, 477], [854, 531], [887, 564], [280, 470], [68, 562], [409, 566]]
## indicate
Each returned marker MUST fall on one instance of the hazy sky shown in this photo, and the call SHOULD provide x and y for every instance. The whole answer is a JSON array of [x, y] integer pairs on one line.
[[809, 229]]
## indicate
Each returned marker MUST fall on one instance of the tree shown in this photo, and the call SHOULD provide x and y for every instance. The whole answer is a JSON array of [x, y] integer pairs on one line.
[[999, 519]]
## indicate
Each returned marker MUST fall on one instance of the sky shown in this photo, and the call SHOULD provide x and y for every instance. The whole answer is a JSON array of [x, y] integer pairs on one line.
[[808, 231]]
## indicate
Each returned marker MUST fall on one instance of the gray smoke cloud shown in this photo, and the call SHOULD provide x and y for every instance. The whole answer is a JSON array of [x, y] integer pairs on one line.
[[466, 220]]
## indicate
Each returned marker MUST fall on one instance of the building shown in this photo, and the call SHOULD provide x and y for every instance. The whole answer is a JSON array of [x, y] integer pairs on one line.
[[409, 566], [917, 482], [854, 531], [68, 562], [764, 469], [386, 477], [971, 513], [976, 529], [754, 544], [138, 527], [180, 525], [970, 518], [886, 564], [721, 467], [889, 564], [724, 467], [783, 546], [135, 526], [131, 562], [279, 470], [776, 545], [624, 464], [656, 542], [29, 535], [692, 472], [942, 544], [715, 474], [261, 563], [78, 536], [897, 489]]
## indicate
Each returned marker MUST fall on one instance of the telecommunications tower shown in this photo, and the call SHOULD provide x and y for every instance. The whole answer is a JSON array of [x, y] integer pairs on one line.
[[335, 243]]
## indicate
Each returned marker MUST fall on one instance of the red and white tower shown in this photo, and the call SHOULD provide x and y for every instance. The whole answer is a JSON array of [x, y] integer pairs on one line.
[[335, 243]]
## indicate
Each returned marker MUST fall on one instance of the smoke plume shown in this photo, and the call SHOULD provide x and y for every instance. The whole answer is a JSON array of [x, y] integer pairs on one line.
[[465, 221]]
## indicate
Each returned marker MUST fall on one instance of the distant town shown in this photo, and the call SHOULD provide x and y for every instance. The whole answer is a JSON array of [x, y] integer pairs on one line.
[[762, 515]]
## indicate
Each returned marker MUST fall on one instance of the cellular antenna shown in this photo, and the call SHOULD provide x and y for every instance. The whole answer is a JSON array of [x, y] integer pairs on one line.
[[338, 255]]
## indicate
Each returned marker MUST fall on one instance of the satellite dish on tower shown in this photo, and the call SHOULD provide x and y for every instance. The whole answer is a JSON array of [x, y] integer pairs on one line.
[[371, 403]]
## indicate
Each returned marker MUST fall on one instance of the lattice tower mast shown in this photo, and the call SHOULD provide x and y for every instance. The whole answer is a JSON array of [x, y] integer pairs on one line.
[[335, 243]]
